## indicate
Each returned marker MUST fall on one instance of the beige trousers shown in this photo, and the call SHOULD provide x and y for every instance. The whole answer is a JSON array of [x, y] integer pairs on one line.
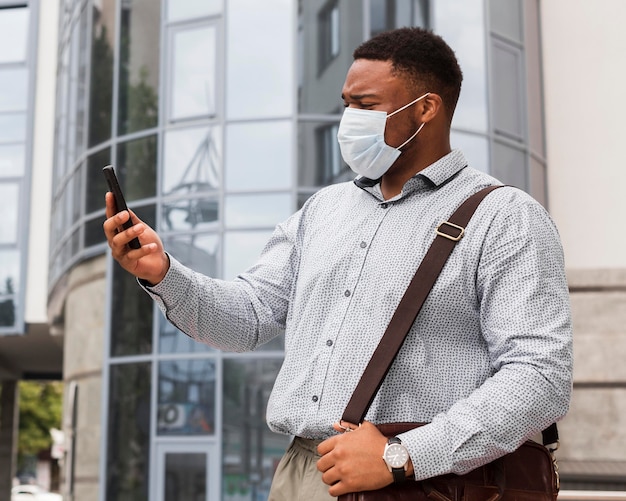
[[297, 477]]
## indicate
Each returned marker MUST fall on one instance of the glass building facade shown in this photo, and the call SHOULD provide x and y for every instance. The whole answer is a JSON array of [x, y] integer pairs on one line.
[[220, 117], [18, 30]]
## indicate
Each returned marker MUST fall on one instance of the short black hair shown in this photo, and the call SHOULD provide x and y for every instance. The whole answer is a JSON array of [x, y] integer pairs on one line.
[[421, 56]]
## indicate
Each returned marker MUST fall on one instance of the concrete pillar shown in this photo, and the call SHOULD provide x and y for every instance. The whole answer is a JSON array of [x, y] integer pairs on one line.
[[9, 423]]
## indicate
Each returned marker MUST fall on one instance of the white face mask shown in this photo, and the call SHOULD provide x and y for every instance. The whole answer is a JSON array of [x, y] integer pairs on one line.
[[361, 139]]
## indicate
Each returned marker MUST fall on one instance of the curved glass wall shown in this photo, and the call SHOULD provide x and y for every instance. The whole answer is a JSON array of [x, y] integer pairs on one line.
[[17, 49], [215, 140]]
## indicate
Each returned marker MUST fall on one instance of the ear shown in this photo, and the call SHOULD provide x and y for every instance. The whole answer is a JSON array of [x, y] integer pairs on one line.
[[431, 107]]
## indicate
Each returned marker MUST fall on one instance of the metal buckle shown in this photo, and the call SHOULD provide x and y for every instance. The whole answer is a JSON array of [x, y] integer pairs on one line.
[[446, 235]]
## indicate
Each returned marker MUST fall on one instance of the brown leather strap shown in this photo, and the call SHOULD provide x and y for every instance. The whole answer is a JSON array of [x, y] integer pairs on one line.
[[447, 235]]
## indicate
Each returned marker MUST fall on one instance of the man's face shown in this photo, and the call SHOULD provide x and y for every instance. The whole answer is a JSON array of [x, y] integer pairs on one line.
[[371, 85]]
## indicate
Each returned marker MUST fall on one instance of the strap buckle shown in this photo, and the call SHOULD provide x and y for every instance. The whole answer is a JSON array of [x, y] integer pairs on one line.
[[461, 231]]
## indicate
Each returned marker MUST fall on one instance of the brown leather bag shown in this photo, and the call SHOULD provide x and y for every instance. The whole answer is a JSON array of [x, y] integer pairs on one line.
[[528, 474]]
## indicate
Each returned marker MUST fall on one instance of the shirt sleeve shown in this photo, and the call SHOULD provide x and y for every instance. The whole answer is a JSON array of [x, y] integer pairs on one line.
[[237, 315], [525, 321]]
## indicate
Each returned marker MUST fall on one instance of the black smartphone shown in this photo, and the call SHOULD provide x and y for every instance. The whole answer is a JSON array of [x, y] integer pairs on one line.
[[120, 203]]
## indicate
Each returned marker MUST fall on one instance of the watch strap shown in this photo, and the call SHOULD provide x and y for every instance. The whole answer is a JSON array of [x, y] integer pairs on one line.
[[399, 475]]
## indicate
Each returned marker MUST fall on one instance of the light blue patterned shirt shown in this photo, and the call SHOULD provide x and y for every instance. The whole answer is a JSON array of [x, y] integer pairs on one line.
[[488, 362]]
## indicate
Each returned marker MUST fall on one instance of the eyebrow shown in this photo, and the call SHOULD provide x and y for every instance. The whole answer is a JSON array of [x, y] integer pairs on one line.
[[358, 97]]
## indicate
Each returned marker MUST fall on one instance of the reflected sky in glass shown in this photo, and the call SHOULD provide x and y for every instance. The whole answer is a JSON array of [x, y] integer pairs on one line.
[[263, 210], [258, 155], [13, 35], [192, 160], [189, 9], [10, 196], [474, 147], [260, 47], [199, 252], [241, 250], [194, 71], [13, 127], [13, 88], [461, 24], [11, 160]]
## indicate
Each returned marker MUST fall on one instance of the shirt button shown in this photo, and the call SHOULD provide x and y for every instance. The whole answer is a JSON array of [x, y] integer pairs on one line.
[[315, 398], [384, 205], [347, 293], [329, 342], [363, 245]]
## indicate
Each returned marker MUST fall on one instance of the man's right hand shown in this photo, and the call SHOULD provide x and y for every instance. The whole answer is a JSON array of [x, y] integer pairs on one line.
[[149, 262]]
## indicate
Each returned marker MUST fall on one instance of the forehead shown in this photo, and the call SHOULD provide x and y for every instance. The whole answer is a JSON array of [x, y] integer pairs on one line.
[[367, 77]]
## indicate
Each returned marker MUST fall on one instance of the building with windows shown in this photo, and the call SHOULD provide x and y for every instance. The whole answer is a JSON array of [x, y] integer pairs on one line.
[[219, 128]]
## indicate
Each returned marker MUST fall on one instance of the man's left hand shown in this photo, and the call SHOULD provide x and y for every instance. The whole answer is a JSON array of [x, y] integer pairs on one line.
[[353, 461]]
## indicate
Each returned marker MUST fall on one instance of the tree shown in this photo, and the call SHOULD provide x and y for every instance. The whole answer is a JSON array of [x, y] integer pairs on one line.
[[41, 408]]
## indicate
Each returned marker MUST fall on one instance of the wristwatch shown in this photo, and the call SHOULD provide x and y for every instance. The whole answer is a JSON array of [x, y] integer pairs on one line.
[[396, 457]]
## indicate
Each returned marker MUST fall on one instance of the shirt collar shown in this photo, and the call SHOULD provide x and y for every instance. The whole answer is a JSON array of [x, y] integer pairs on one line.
[[435, 175]]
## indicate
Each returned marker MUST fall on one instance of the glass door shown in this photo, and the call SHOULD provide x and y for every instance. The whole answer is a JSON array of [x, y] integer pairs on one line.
[[187, 471]]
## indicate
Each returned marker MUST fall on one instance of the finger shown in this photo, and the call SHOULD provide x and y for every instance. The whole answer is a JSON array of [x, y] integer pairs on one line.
[[109, 201], [331, 477], [122, 238], [327, 445]]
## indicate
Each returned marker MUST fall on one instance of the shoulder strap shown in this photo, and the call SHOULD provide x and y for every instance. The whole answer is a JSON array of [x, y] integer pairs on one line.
[[448, 234]]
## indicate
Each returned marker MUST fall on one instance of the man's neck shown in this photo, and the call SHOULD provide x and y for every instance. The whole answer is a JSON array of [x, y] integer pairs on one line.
[[401, 171]]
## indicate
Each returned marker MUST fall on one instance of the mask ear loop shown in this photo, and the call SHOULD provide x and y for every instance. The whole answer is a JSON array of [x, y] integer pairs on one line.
[[403, 108], [409, 139], [407, 105]]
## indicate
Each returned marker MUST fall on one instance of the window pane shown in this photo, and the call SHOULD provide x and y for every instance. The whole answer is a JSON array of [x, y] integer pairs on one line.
[[13, 34], [270, 70], [193, 73], [186, 397], [13, 88], [321, 92], [328, 34], [9, 271], [96, 183], [11, 160], [189, 9], [199, 252], [506, 18], [197, 213], [131, 316], [128, 455], [136, 168], [192, 160], [263, 210], [138, 107], [101, 92], [389, 14], [250, 450], [259, 156], [185, 476], [462, 26], [319, 158], [241, 250], [94, 233], [171, 340], [13, 127], [508, 111], [10, 197], [474, 147], [509, 165]]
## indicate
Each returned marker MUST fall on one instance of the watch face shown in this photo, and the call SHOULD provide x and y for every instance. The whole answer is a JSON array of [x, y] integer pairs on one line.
[[396, 456]]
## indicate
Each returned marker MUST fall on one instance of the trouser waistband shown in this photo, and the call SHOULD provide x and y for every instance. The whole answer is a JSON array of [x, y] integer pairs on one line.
[[307, 445]]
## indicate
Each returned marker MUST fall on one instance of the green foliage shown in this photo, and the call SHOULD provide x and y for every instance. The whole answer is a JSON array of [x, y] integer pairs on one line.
[[41, 407]]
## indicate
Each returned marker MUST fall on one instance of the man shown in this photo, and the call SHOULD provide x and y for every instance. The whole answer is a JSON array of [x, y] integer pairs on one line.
[[487, 363]]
